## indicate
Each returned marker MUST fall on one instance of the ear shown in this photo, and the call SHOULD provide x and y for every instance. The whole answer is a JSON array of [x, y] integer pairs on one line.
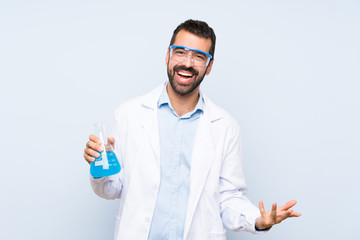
[[167, 57], [208, 70]]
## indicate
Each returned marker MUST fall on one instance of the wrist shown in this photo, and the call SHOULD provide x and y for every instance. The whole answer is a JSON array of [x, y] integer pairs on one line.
[[261, 227]]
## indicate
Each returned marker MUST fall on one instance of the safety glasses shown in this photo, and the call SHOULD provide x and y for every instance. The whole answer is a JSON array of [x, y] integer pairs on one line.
[[198, 57]]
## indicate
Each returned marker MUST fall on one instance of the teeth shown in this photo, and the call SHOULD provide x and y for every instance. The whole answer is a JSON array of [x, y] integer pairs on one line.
[[185, 74]]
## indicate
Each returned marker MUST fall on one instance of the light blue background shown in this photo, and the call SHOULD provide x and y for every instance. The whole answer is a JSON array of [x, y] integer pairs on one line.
[[288, 71]]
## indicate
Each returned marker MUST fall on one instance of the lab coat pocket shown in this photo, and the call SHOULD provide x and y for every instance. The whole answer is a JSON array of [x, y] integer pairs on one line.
[[217, 235]]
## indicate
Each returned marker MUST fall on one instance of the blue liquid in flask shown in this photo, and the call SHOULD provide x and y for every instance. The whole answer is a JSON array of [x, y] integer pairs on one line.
[[99, 168]]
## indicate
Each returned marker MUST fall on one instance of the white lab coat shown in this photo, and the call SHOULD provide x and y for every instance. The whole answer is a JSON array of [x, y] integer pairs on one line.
[[217, 185]]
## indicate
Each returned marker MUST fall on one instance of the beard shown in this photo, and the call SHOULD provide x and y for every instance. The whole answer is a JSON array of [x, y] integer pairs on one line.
[[184, 89]]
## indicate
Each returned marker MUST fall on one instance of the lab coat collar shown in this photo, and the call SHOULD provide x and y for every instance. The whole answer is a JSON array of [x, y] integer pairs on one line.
[[151, 99]]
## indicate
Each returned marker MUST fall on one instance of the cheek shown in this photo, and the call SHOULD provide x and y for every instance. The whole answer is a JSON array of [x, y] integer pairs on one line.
[[170, 69], [202, 72]]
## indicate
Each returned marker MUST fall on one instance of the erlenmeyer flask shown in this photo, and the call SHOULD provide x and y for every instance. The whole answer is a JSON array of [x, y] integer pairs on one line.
[[107, 164]]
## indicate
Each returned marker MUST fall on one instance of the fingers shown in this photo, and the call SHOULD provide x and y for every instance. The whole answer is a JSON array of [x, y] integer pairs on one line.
[[267, 219], [286, 212], [275, 215], [92, 153], [273, 211], [88, 158], [94, 139], [288, 205], [294, 214], [111, 140], [262, 209], [290, 212], [93, 147]]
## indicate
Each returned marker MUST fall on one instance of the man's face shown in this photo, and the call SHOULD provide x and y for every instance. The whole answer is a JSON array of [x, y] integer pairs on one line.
[[185, 77]]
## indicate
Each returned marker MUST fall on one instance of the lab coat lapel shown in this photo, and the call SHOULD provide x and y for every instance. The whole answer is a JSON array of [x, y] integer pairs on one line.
[[150, 124], [150, 120], [201, 162]]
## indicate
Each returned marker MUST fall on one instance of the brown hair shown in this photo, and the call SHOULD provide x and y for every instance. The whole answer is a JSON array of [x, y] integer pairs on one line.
[[198, 28]]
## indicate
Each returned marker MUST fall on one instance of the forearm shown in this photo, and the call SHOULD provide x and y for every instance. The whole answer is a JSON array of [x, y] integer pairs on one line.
[[237, 212]]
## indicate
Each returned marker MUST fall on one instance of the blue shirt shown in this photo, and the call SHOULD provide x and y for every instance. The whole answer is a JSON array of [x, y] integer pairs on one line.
[[177, 135]]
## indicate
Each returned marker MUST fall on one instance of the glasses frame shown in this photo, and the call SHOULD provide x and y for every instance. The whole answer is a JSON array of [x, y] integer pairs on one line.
[[193, 49]]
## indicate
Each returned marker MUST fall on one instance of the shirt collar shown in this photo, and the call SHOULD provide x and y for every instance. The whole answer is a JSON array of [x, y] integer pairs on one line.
[[165, 100]]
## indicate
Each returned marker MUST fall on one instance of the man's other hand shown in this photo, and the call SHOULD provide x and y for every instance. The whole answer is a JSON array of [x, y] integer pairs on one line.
[[275, 215]]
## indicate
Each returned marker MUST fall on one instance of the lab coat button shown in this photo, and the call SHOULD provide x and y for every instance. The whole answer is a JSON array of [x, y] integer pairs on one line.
[[147, 219]]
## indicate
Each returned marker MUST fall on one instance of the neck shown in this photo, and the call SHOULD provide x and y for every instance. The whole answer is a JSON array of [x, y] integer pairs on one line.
[[183, 104]]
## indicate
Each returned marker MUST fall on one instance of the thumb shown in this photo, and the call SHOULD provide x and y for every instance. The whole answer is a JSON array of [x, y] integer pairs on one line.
[[111, 141]]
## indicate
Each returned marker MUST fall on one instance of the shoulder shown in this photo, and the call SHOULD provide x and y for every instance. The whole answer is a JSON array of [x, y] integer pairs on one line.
[[219, 115]]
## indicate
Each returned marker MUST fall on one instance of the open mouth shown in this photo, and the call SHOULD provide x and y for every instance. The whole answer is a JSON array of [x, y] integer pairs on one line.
[[184, 77]]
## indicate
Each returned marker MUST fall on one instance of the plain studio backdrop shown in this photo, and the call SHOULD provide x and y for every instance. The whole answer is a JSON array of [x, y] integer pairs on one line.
[[288, 71]]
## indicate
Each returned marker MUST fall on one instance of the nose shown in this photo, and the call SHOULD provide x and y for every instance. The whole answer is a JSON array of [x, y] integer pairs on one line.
[[189, 61]]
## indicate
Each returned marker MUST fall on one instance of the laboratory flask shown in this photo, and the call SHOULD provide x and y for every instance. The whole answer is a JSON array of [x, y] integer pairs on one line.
[[107, 164]]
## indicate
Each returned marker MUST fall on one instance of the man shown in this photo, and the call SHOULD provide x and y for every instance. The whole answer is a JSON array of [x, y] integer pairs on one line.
[[182, 175]]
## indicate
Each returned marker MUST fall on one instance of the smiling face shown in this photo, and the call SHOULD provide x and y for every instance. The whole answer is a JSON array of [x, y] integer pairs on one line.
[[184, 77]]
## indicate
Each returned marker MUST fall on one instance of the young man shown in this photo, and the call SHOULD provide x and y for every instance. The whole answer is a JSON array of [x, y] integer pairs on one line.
[[182, 175]]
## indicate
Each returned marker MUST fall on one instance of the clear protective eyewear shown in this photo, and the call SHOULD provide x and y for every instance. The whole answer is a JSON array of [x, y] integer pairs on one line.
[[198, 57]]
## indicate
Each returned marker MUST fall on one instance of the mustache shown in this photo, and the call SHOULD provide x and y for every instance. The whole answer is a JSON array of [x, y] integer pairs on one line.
[[190, 69]]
